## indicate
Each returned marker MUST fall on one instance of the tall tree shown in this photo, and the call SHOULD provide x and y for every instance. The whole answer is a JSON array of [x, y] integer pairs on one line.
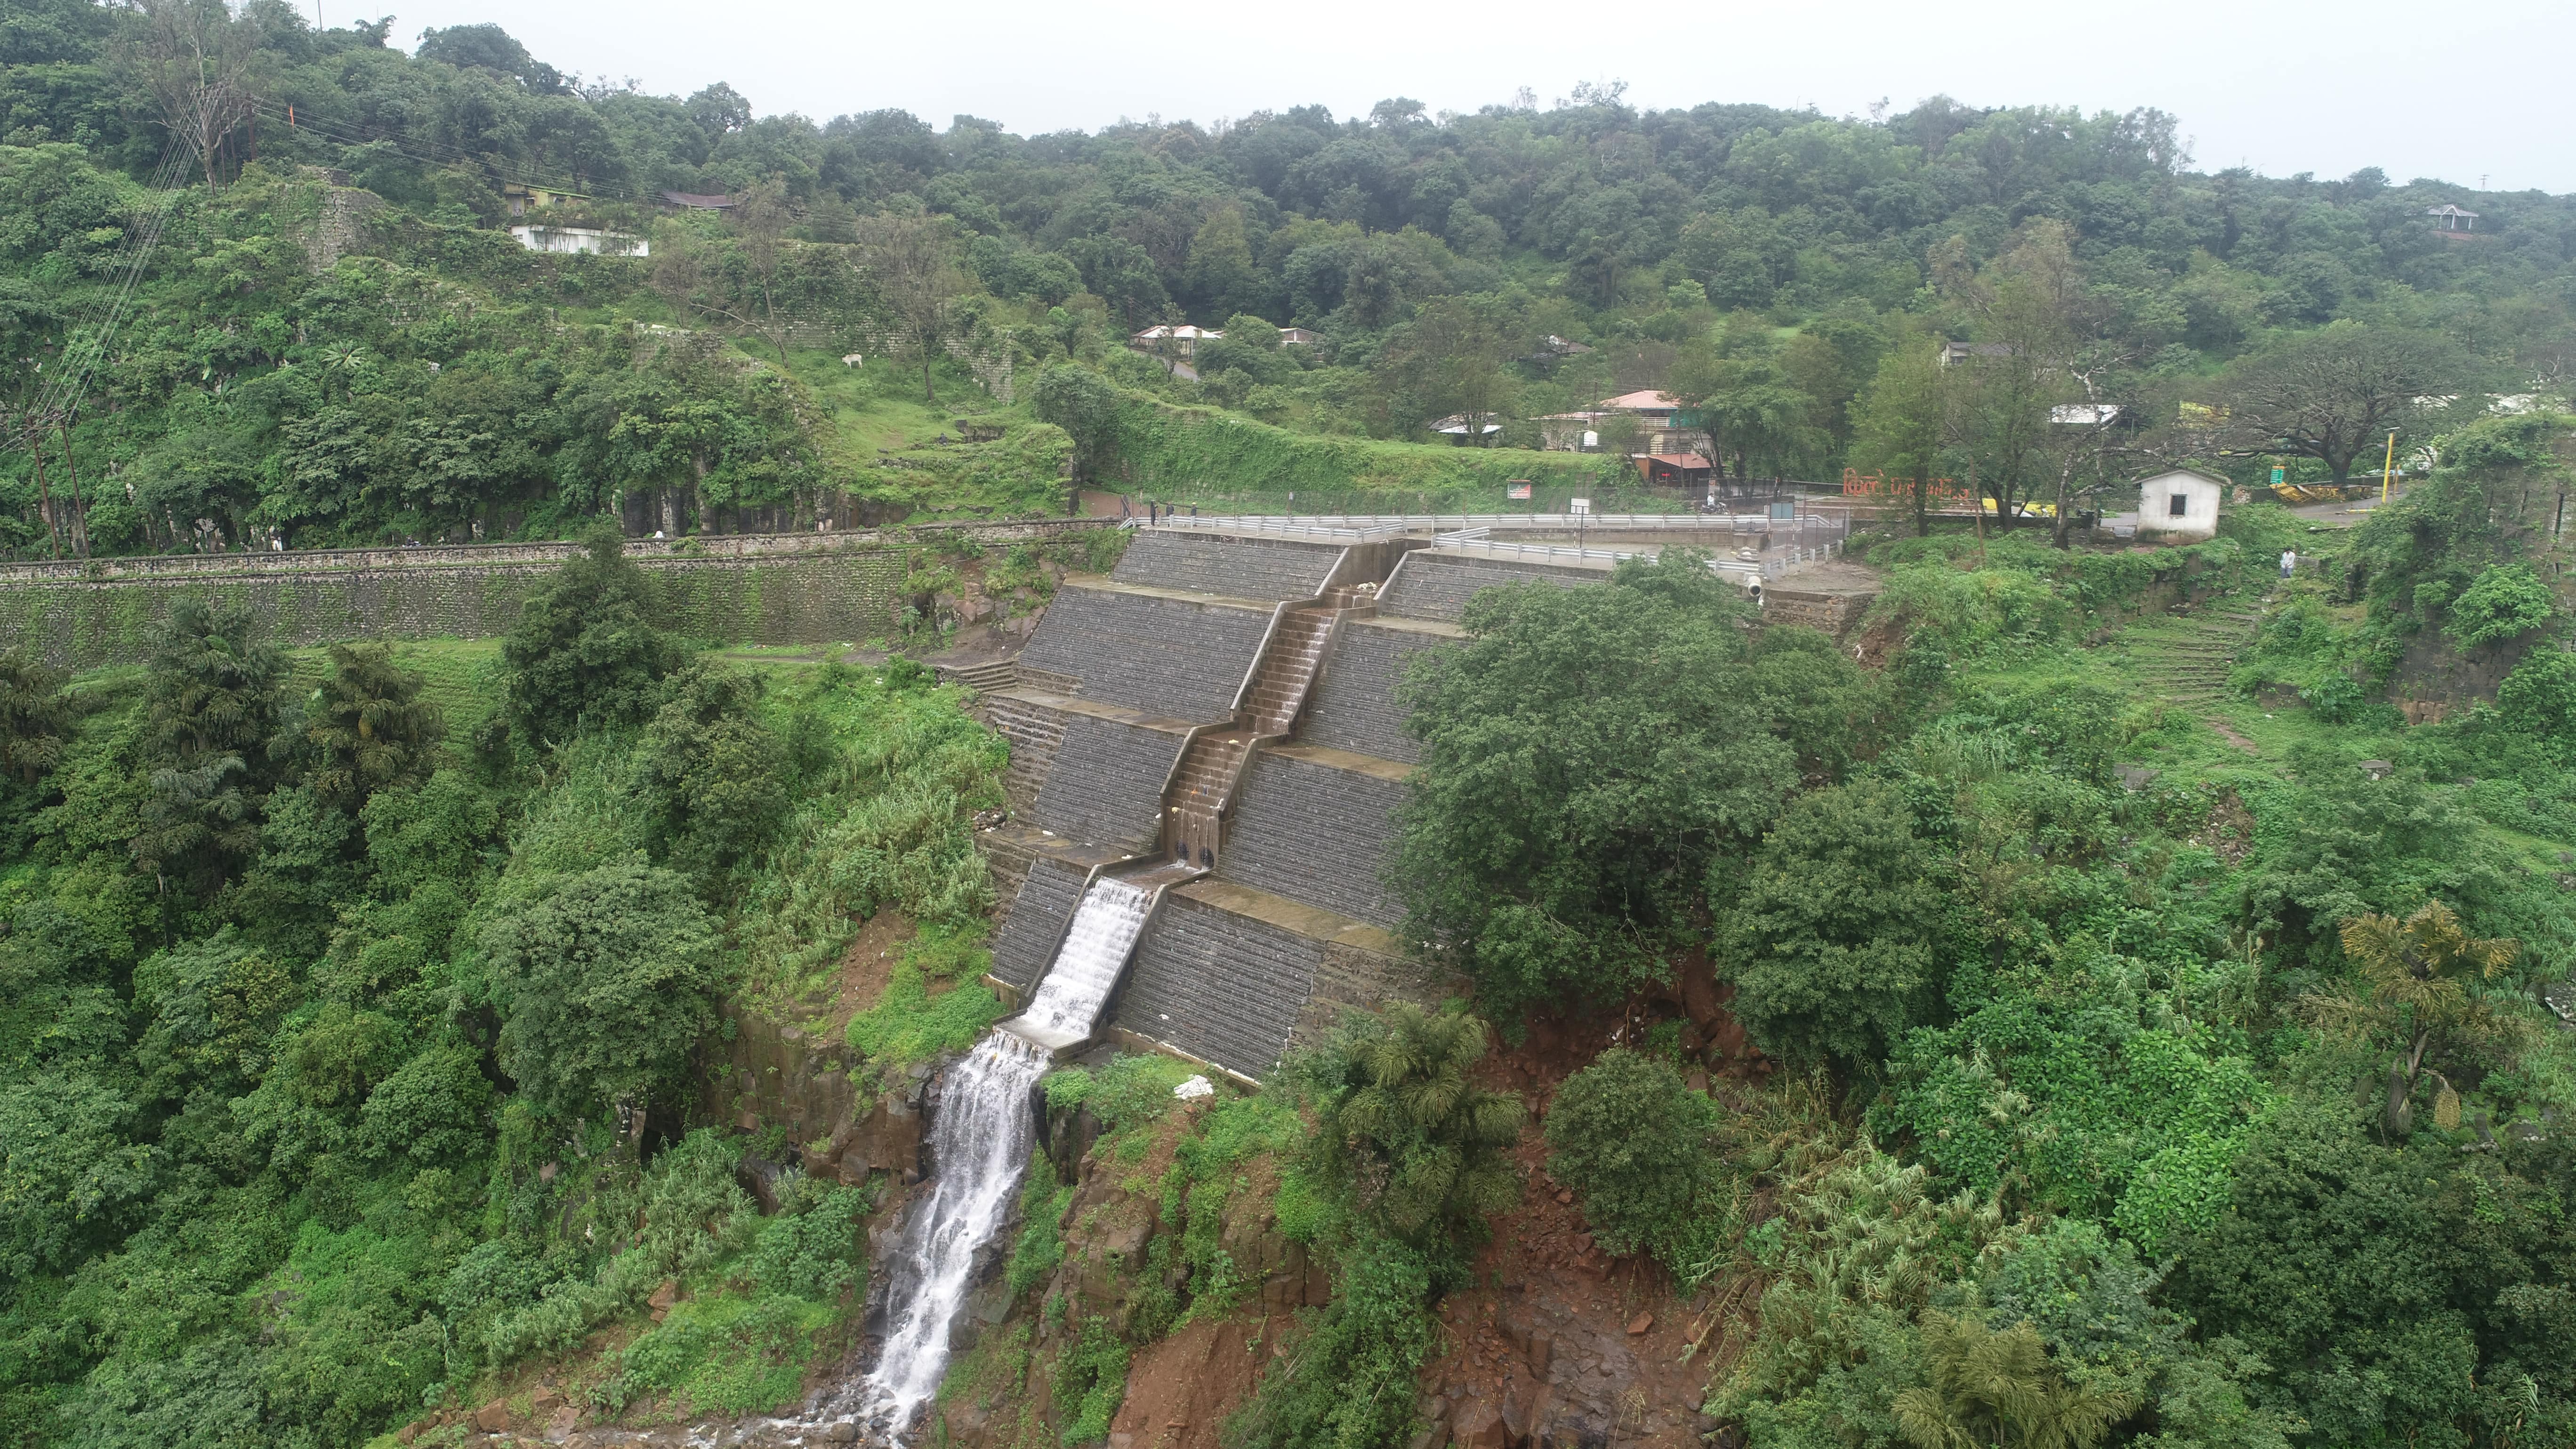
[[196, 61], [911, 261], [585, 651], [2417, 973], [211, 691], [1904, 425], [2337, 393], [367, 726]]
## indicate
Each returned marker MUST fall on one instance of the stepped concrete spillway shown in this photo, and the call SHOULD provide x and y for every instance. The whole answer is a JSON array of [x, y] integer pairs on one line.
[[1225, 703]]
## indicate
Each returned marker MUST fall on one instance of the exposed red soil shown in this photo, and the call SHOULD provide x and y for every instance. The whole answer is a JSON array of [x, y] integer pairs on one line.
[[1181, 1388]]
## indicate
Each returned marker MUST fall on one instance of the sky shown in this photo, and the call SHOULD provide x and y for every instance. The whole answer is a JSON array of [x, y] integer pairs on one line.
[[2455, 91]]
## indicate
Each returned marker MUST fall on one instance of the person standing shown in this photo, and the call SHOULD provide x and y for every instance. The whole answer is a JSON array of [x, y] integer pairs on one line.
[[2289, 561]]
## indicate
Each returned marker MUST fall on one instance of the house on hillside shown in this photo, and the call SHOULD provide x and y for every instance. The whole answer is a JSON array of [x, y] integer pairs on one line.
[[1181, 341], [520, 199], [588, 240], [2450, 220], [2179, 505], [1954, 353], [1663, 427], [1686, 471], [1300, 337], [699, 201], [1467, 429]]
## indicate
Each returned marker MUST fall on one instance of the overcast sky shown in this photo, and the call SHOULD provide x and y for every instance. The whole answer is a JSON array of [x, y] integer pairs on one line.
[[2453, 91]]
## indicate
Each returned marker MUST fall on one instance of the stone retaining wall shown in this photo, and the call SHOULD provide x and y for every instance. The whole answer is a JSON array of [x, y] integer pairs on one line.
[[1172, 658], [1354, 704], [1317, 835], [1107, 784], [810, 598], [1036, 923], [1425, 587], [1354, 978], [1832, 613], [1035, 731], [1238, 568], [1218, 986]]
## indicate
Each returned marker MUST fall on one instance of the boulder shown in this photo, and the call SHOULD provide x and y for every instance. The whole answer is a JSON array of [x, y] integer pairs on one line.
[[493, 1417]]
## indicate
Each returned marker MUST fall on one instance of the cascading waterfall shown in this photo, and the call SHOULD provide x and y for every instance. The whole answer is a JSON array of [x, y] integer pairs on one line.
[[979, 1143], [1067, 1006]]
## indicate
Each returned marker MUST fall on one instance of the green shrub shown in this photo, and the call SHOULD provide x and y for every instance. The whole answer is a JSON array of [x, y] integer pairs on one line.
[[1351, 1383], [1632, 1140], [1092, 1380], [2506, 602]]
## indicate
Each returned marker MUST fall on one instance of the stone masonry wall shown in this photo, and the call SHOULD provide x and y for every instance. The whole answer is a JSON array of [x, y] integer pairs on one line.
[[1107, 784], [1438, 588], [1353, 978], [1223, 988], [1036, 923], [819, 598], [1035, 731], [1238, 568], [1832, 613], [1315, 834], [1172, 658], [1354, 705]]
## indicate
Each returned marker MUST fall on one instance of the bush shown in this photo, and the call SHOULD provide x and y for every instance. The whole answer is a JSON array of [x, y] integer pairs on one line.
[[1401, 1128], [1631, 1138], [584, 653], [604, 979], [1352, 1383], [1830, 940], [2506, 602]]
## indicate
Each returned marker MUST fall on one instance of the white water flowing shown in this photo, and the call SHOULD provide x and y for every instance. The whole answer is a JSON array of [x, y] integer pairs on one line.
[[1067, 1006], [979, 1144]]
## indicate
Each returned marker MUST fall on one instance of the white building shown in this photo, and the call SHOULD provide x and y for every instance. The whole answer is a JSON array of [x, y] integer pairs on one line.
[[580, 239], [2179, 506]]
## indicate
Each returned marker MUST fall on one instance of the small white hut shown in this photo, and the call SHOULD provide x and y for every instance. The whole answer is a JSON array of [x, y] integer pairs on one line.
[[2179, 505]]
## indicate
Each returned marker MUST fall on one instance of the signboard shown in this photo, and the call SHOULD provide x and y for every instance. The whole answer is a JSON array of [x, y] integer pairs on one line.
[[2280, 476], [1578, 505], [1516, 489]]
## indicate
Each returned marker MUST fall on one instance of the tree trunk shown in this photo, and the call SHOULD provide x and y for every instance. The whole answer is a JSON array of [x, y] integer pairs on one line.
[[80, 509], [2397, 1116], [2057, 533], [44, 494], [1922, 505]]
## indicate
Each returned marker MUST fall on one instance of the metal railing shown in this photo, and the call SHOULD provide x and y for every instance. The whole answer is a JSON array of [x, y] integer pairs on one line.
[[1383, 524]]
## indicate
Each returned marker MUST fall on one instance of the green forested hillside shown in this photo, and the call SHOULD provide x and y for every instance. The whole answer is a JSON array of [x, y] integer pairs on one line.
[[1785, 273], [2113, 997]]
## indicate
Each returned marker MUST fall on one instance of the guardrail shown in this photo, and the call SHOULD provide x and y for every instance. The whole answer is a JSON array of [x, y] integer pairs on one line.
[[1438, 523]]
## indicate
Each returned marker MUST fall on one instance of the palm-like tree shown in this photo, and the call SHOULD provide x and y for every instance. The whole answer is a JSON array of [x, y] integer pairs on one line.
[[2416, 972], [369, 725], [1420, 1144], [1997, 1390]]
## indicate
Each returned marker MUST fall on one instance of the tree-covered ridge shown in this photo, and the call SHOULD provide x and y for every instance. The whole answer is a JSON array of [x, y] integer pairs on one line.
[[1782, 273]]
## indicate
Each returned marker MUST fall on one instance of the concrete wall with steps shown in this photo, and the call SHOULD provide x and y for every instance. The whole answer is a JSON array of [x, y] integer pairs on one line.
[[1354, 707], [1107, 783], [1036, 923], [1435, 586], [1219, 986], [1179, 658], [1240, 568], [1313, 832]]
